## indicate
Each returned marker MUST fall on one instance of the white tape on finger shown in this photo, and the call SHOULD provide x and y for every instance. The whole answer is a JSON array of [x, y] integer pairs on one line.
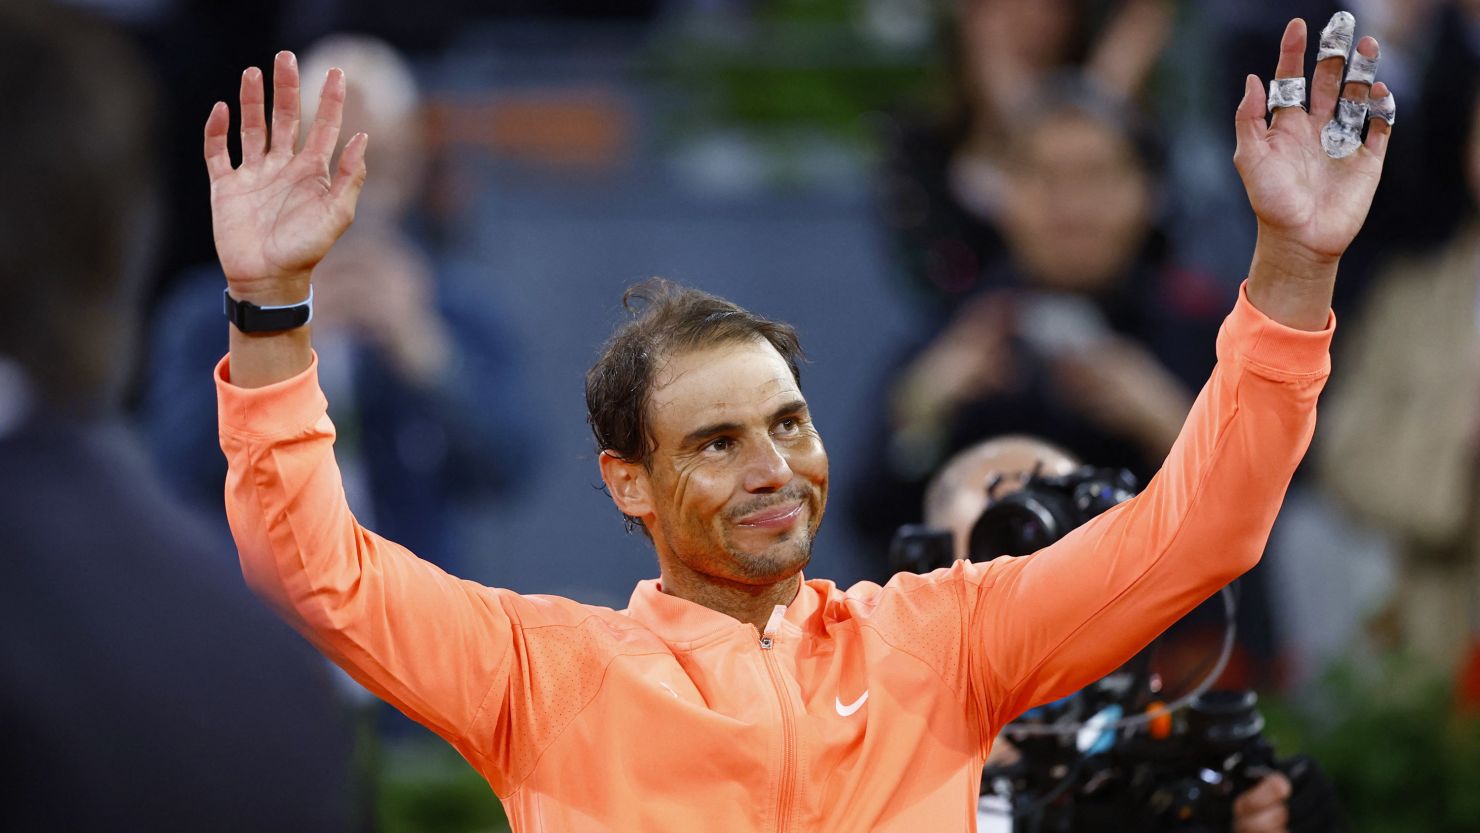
[[1336, 38], [1286, 92], [1385, 108], [1343, 135], [1351, 113], [1362, 69]]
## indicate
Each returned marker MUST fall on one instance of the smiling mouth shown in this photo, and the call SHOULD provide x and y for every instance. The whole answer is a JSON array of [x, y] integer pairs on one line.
[[775, 517]]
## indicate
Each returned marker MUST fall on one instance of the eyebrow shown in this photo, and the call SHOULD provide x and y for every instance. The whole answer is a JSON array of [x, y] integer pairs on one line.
[[794, 406]]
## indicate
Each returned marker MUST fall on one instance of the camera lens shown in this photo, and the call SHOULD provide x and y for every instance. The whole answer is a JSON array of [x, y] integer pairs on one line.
[[1225, 720], [1014, 527]]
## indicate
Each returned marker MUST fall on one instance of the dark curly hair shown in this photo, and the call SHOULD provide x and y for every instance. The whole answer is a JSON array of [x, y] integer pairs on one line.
[[664, 318]]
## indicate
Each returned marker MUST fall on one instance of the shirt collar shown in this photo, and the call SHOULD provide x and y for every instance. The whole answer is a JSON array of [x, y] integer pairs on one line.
[[678, 620]]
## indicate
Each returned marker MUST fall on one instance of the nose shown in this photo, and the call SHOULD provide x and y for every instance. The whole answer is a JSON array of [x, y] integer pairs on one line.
[[767, 469]]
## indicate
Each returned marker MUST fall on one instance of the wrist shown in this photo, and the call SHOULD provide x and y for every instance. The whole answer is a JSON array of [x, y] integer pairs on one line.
[[274, 292], [1300, 259], [1290, 282]]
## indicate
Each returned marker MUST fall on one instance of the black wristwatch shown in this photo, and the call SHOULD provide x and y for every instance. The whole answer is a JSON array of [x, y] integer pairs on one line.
[[250, 318]]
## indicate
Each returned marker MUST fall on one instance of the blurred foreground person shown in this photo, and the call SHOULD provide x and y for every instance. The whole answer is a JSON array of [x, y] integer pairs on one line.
[[732, 694], [140, 688]]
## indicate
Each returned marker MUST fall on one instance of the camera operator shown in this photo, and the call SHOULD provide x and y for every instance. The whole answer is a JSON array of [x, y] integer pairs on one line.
[[997, 467]]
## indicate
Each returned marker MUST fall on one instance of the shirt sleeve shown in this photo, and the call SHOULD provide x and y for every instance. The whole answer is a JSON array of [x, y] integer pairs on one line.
[[1042, 626], [439, 648]]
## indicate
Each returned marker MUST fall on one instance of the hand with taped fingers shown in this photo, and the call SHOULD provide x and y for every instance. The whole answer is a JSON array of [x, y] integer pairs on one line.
[[1309, 175], [276, 214]]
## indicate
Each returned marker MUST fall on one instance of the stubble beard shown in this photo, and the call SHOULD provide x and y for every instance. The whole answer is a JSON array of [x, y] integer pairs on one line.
[[786, 556], [780, 560]]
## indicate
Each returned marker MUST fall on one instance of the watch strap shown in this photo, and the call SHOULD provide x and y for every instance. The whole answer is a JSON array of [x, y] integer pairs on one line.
[[250, 318]]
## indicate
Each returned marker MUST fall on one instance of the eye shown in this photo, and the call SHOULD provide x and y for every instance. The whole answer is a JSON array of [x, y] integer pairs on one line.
[[788, 426], [719, 444]]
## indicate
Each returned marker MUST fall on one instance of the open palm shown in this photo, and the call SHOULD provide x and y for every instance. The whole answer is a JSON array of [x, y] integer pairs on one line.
[[276, 215], [1294, 187]]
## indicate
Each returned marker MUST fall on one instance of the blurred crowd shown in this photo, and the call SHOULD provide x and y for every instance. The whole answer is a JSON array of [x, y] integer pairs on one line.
[[1056, 234]]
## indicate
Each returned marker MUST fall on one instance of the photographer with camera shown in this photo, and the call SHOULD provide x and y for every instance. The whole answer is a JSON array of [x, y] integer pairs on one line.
[[988, 475]]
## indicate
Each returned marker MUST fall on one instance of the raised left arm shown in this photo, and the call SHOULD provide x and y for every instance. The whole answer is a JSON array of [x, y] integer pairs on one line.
[[1043, 626]]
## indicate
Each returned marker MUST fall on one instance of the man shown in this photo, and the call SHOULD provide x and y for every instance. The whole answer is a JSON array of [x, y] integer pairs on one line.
[[141, 687], [955, 498], [732, 695]]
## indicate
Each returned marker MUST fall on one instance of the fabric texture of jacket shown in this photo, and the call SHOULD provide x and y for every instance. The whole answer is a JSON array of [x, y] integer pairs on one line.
[[870, 709]]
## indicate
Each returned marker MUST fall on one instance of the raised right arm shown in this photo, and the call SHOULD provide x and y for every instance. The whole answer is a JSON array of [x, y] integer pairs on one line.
[[441, 649]]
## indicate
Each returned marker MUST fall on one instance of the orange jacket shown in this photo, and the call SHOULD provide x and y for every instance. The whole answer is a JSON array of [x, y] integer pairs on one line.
[[869, 709]]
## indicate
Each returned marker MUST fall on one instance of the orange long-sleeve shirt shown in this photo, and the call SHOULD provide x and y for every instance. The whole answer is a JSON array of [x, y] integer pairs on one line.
[[870, 709]]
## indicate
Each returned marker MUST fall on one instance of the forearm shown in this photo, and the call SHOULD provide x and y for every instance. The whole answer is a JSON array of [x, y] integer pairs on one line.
[[1050, 623]]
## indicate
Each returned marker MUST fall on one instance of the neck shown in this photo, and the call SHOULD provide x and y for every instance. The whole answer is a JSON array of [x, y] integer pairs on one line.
[[751, 603]]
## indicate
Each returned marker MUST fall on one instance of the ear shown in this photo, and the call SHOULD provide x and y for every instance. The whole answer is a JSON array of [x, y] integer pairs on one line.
[[627, 483]]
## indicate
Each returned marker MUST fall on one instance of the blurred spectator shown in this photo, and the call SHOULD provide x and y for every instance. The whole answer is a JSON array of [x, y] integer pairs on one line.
[[141, 687], [1092, 341], [1401, 447], [398, 329], [946, 178]]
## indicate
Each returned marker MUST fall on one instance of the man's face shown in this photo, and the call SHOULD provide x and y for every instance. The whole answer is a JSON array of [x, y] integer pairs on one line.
[[738, 479]]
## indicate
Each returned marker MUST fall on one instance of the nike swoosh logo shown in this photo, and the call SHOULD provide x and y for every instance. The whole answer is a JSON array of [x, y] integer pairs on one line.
[[851, 707]]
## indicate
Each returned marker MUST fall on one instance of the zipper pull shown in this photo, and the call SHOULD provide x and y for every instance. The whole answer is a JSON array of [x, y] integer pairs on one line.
[[774, 624]]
